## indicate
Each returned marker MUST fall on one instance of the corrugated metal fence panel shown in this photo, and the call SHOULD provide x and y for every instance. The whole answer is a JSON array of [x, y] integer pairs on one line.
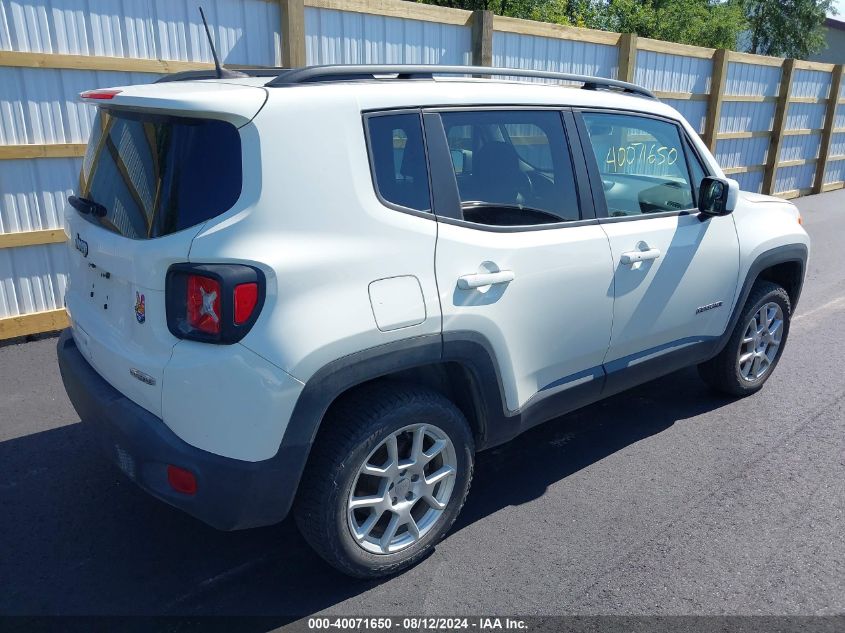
[[837, 145], [676, 73], [810, 83], [800, 147], [839, 119], [742, 152], [512, 50], [750, 181], [745, 116], [33, 192], [32, 279], [835, 171], [32, 197], [798, 177], [693, 111], [673, 73], [245, 31], [747, 80], [342, 37], [39, 105], [752, 80], [802, 116]]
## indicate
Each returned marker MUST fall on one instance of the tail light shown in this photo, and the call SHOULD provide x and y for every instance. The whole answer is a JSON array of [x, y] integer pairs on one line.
[[107, 93], [181, 480], [214, 303], [203, 299]]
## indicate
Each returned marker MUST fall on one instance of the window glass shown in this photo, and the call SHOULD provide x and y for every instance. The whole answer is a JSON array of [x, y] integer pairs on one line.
[[154, 175], [398, 157], [513, 168], [642, 164]]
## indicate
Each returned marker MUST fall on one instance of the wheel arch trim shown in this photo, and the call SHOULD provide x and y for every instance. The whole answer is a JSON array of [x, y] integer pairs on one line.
[[789, 253]]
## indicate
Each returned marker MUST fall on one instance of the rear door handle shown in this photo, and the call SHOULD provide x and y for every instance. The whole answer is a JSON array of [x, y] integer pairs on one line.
[[632, 257], [479, 280]]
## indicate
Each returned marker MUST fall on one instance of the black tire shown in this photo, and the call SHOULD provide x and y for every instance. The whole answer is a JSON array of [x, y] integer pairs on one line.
[[722, 372], [353, 428]]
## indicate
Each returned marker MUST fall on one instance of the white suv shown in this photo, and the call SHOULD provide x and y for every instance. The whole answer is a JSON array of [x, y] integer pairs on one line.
[[325, 289]]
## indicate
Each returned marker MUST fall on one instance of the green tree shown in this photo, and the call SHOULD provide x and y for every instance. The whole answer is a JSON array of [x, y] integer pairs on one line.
[[698, 22], [786, 28]]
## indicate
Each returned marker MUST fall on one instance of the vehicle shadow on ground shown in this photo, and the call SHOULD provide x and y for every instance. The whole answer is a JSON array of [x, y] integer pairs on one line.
[[77, 538]]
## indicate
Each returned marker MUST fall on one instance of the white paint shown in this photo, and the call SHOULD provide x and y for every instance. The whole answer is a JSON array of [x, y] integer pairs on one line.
[[397, 302]]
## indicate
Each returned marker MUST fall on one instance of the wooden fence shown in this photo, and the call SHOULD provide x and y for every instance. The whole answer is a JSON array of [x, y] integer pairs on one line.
[[777, 125]]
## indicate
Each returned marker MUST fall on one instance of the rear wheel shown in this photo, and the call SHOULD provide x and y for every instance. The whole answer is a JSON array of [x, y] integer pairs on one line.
[[387, 478], [753, 351]]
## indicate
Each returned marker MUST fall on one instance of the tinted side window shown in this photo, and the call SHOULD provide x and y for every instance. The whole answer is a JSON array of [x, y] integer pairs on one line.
[[397, 152], [513, 168], [642, 162]]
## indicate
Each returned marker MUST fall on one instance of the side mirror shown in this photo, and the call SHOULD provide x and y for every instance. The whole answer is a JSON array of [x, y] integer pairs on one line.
[[717, 196]]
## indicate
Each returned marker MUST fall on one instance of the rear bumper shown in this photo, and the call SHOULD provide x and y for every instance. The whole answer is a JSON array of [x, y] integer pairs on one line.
[[231, 494]]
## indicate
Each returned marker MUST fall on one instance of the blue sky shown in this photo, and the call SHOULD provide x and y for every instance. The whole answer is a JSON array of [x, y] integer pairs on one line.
[[840, 6]]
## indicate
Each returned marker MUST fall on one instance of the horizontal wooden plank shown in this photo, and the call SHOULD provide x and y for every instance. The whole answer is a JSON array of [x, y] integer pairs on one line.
[[755, 134], [55, 150], [807, 65], [89, 62], [558, 31], [757, 60], [685, 96], [396, 9], [32, 238], [743, 170], [797, 163], [807, 100], [750, 98], [34, 323], [832, 186], [800, 132], [794, 193], [670, 48]]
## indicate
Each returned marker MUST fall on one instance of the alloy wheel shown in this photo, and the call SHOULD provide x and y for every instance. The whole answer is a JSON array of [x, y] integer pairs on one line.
[[402, 489]]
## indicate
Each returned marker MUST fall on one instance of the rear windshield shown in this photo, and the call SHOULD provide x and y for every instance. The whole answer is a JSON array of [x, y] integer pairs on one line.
[[151, 175]]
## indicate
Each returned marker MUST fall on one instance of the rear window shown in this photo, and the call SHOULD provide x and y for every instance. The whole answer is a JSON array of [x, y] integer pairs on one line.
[[153, 175]]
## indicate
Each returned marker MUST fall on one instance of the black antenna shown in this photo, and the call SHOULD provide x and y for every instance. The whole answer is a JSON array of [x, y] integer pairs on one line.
[[221, 72]]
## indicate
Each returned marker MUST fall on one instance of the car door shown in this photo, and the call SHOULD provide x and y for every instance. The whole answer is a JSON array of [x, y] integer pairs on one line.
[[675, 271], [520, 259]]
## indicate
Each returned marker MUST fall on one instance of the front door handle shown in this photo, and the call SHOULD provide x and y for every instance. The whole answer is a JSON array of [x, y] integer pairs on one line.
[[632, 257], [479, 280]]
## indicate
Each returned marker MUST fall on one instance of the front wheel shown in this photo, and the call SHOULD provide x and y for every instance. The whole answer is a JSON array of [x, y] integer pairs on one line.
[[756, 344], [387, 478]]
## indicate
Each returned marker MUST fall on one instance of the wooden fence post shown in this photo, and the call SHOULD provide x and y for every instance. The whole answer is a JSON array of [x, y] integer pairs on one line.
[[482, 38], [776, 140], [293, 33], [718, 80], [827, 131], [627, 57]]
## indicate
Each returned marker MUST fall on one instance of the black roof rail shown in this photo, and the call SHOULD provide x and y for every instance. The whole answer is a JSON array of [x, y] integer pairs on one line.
[[357, 72]]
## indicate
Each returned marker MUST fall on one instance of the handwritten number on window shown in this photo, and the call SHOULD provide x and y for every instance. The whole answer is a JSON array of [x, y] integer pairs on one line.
[[637, 156]]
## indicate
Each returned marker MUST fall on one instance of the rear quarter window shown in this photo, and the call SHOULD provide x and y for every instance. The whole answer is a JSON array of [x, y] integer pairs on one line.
[[397, 158]]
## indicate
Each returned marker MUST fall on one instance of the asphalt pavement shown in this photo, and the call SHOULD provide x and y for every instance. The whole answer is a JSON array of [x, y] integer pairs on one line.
[[667, 499]]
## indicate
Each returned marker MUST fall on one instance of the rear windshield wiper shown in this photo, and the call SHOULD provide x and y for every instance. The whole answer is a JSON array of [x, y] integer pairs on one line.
[[87, 206]]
